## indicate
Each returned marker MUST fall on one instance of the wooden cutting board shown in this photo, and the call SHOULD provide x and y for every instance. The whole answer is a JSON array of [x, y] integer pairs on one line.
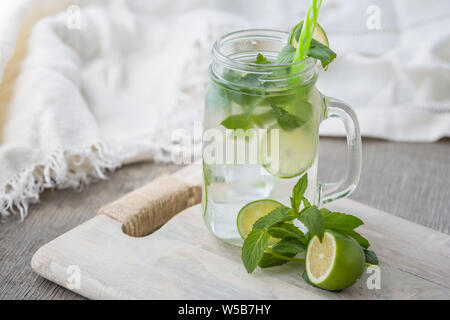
[[182, 260]]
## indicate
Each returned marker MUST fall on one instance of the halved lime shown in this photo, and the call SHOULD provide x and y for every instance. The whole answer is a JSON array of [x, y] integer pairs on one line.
[[253, 211], [335, 263], [291, 154], [319, 34]]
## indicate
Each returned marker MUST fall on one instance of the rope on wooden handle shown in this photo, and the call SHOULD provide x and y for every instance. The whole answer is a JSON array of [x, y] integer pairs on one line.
[[144, 210]]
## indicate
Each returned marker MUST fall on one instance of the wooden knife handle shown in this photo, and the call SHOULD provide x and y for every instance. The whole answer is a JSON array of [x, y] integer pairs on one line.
[[144, 210]]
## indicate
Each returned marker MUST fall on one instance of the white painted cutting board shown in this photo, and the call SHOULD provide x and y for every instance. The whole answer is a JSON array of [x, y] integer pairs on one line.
[[182, 260]]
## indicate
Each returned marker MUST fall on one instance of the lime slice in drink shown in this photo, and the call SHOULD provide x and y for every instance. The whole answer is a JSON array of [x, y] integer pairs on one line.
[[319, 34], [335, 263], [253, 211], [291, 154]]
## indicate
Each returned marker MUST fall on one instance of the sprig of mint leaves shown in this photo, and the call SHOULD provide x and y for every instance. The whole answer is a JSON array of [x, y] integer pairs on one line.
[[316, 50], [286, 56], [291, 241]]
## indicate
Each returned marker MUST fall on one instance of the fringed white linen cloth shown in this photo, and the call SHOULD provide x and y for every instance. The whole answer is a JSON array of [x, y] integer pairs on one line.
[[83, 99]]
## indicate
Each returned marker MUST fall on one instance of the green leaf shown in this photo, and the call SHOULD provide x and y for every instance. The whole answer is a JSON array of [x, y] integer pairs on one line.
[[299, 191], [260, 59], [371, 257], [217, 98], [324, 212], [289, 245], [286, 55], [269, 260], [344, 223], [249, 82], [321, 52], [340, 221], [284, 230], [237, 121], [280, 214], [286, 121], [313, 220], [303, 109], [294, 205], [306, 203], [253, 248], [363, 242]]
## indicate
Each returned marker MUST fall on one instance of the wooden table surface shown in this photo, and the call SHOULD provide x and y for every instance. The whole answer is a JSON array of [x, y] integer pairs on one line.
[[411, 180]]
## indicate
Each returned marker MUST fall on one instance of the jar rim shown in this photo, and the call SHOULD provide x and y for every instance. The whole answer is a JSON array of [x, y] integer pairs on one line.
[[258, 34]]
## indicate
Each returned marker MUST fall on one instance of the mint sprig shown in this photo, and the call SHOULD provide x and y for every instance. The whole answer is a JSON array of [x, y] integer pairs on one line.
[[260, 59], [279, 224]]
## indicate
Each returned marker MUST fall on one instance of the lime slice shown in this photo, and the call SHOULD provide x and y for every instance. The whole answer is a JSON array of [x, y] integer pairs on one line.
[[295, 153], [253, 211], [319, 34], [335, 263]]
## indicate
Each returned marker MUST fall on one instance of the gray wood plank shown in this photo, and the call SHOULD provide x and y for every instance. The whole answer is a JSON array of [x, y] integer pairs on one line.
[[411, 180]]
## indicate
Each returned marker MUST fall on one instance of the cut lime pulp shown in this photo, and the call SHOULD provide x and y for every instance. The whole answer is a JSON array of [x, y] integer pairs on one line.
[[335, 263], [319, 35], [253, 211]]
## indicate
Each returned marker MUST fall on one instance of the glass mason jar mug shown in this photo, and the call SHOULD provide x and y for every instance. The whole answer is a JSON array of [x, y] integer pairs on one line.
[[261, 130]]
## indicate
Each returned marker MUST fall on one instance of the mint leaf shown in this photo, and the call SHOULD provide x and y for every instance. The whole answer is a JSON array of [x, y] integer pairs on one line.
[[304, 110], [344, 223], [286, 55], [306, 203], [249, 81], [299, 191], [371, 257], [313, 220], [284, 230], [269, 260], [286, 121], [363, 242], [260, 59], [294, 205], [253, 248], [217, 98], [288, 247], [340, 221], [280, 214], [237, 121], [321, 52]]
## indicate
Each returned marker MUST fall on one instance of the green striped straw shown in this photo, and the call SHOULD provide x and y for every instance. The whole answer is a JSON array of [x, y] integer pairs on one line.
[[309, 24]]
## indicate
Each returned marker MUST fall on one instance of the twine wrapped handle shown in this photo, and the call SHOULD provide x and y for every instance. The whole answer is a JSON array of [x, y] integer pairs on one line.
[[144, 210]]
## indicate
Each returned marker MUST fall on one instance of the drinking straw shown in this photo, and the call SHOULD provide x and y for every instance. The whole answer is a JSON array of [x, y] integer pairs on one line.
[[309, 24]]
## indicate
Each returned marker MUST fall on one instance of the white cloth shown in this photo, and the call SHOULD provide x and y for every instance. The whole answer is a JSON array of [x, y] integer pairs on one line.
[[104, 83]]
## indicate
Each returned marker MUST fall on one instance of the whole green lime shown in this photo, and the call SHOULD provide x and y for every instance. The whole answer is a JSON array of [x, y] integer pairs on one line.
[[335, 263]]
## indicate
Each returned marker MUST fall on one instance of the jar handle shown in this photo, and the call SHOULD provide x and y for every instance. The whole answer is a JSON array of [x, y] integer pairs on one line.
[[336, 190]]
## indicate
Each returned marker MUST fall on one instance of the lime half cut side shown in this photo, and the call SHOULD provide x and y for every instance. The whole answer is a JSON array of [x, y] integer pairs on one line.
[[335, 263], [287, 154], [253, 211], [319, 35]]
